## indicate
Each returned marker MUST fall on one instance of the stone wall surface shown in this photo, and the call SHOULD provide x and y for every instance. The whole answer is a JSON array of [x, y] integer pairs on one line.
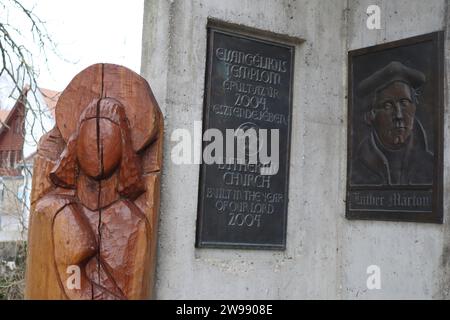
[[326, 255]]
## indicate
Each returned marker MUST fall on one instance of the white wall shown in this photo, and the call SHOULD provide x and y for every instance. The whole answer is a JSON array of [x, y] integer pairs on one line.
[[326, 255]]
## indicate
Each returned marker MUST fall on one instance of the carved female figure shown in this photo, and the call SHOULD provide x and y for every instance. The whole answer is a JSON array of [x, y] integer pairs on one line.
[[98, 216]]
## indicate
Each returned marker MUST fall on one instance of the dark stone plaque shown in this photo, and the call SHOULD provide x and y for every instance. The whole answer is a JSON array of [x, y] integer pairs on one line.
[[395, 131], [248, 86]]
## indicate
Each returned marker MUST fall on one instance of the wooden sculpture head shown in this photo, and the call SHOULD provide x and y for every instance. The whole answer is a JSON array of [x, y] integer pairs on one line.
[[95, 191], [99, 148], [99, 164], [98, 158]]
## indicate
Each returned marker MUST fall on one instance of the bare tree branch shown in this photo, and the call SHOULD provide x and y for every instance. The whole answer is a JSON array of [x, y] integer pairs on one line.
[[19, 70]]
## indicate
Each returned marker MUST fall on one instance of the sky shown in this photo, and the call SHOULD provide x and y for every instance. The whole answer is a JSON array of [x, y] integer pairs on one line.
[[87, 32]]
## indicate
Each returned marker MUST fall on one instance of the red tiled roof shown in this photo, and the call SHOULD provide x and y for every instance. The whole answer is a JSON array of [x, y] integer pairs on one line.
[[4, 114], [51, 98]]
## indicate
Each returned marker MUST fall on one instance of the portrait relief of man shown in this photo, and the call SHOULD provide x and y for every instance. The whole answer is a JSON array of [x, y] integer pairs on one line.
[[395, 150], [395, 130]]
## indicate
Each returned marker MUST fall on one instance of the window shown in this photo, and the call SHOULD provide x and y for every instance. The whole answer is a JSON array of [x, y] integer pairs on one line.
[[2, 159], [2, 191], [12, 158]]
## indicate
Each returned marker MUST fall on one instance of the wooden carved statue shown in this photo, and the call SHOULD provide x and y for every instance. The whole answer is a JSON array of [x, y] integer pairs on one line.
[[95, 197]]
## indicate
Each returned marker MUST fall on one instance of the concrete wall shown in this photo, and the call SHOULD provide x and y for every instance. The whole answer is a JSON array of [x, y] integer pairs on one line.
[[326, 255]]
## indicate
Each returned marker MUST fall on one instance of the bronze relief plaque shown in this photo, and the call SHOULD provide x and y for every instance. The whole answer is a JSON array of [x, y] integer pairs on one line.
[[248, 85], [395, 131]]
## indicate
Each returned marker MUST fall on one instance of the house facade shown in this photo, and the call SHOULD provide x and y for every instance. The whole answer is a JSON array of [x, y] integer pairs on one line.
[[17, 148], [12, 208]]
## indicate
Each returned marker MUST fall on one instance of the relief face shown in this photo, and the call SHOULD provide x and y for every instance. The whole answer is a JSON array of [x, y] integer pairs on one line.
[[395, 131], [394, 150], [394, 113]]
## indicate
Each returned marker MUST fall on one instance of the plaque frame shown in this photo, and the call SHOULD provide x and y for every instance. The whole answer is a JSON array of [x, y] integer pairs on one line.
[[436, 215], [243, 32]]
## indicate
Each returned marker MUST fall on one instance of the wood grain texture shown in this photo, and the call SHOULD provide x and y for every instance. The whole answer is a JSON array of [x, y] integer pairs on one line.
[[95, 196]]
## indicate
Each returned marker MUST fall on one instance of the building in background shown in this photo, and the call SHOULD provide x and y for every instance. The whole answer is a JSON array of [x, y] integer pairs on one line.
[[18, 136]]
